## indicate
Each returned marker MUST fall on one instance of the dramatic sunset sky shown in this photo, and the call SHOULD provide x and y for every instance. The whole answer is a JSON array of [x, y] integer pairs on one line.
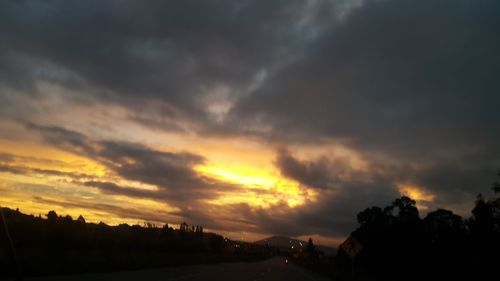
[[251, 118]]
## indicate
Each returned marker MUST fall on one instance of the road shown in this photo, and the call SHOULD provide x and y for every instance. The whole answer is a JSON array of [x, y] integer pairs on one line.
[[270, 270]]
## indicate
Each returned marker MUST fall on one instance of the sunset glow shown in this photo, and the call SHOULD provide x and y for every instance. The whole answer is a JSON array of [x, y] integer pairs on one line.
[[245, 116], [280, 189]]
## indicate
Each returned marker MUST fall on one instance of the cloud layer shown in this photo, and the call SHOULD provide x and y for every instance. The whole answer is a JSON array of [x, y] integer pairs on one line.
[[409, 87]]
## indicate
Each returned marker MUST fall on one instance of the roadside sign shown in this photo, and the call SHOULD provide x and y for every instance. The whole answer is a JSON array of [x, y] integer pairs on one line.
[[351, 246]]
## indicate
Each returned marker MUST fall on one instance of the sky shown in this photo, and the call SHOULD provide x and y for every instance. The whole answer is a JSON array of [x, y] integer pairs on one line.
[[251, 118]]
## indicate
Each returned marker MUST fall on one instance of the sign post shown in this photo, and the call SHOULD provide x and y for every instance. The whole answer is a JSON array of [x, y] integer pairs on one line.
[[11, 245], [352, 247]]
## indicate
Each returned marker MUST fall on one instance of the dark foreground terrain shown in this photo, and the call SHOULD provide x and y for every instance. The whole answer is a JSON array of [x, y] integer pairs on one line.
[[60, 245], [271, 269]]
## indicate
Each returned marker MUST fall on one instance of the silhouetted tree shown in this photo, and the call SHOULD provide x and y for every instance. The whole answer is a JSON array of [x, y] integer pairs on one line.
[[443, 223], [80, 219], [311, 248], [446, 243], [373, 218], [403, 209], [52, 216], [68, 219], [484, 226], [391, 238], [396, 241], [184, 227]]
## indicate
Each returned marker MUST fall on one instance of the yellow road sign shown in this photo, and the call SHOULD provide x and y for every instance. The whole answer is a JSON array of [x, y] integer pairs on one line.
[[351, 246]]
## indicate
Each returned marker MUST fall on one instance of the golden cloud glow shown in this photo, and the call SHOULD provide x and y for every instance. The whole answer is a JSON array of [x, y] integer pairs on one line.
[[275, 189], [250, 177], [416, 193], [38, 156]]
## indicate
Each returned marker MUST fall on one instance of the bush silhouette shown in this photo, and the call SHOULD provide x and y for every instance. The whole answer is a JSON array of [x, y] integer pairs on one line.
[[397, 244]]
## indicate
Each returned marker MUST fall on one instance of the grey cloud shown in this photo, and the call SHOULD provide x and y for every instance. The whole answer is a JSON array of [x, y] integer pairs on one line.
[[172, 172], [112, 188], [125, 212], [58, 136], [403, 76], [457, 183], [23, 170], [141, 162], [414, 81], [322, 173], [132, 53]]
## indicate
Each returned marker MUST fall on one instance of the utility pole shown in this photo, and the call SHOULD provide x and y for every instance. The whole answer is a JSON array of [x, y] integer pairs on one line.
[[17, 272]]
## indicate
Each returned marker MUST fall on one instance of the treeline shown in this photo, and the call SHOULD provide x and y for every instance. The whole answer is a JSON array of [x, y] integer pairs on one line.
[[61, 244], [398, 245]]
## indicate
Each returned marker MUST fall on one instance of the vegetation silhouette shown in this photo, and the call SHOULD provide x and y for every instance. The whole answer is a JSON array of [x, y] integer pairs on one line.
[[61, 245], [399, 245]]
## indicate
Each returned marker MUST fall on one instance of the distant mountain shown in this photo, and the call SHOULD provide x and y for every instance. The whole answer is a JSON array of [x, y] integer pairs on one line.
[[284, 242]]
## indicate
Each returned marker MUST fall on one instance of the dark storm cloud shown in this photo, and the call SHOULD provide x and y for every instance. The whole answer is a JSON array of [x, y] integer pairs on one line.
[[62, 137], [457, 182], [404, 76], [172, 172], [335, 214], [415, 81], [112, 188], [322, 173], [136, 53]]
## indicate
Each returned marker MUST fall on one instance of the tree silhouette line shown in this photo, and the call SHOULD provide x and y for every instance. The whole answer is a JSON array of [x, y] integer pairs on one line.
[[60, 244], [399, 245]]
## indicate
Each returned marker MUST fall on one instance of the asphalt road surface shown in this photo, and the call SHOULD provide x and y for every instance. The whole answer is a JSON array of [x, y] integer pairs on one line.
[[269, 270]]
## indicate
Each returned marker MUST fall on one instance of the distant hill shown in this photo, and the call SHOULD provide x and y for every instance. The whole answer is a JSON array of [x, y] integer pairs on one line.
[[284, 242]]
